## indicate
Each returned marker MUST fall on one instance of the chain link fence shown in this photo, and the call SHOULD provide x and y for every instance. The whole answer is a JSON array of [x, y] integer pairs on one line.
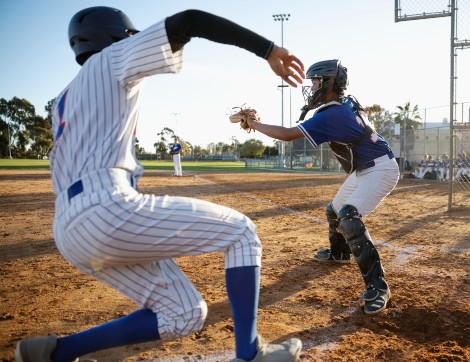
[[459, 13], [406, 9], [299, 155], [461, 194]]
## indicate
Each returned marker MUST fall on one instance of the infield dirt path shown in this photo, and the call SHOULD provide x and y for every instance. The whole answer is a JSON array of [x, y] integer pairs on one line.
[[425, 251]]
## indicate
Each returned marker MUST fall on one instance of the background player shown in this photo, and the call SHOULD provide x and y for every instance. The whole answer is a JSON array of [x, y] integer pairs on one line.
[[176, 154], [127, 239], [364, 155]]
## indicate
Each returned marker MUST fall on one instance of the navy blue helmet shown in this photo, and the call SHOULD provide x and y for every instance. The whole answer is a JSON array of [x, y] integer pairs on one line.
[[93, 29]]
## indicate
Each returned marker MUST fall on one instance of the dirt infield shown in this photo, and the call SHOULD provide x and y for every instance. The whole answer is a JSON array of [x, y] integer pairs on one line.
[[425, 251]]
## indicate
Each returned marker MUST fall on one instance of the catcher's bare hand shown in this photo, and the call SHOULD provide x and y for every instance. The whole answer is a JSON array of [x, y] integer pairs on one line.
[[286, 65]]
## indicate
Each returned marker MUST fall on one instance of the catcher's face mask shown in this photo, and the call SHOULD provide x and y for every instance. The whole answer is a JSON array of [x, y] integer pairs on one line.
[[316, 84], [313, 94]]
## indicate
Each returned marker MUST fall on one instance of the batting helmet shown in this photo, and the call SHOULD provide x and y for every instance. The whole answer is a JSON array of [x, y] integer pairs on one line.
[[93, 29]]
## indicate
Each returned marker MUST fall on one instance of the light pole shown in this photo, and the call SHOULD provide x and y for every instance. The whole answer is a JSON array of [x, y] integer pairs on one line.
[[282, 18], [235, 147], [403, 148], [175, 114], [9, 139]]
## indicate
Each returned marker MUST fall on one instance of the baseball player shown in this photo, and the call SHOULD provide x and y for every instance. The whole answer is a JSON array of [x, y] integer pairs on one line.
[[367, 159], [126, 239], [443, 168], [176, 154], [463, 171], [422, 166], [430, 172]]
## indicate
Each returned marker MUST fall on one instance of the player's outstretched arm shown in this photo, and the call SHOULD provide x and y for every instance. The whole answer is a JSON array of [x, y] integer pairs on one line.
[[183, 26], [276, 132]]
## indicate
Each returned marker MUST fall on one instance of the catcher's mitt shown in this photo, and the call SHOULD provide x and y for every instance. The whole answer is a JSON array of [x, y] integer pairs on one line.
[[242, 117]]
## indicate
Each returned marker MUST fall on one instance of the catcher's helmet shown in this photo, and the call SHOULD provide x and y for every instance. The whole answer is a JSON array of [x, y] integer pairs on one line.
[[332, 76], [93, 29], [327, 69]]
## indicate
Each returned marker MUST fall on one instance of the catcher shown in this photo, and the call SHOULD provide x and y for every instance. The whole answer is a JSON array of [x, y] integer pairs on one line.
[[367, 159]]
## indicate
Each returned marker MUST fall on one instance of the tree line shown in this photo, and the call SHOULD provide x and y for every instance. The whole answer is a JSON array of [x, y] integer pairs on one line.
[[25, 134]]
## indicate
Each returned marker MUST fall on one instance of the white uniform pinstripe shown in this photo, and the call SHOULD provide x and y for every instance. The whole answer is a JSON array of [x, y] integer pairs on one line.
[[122, 237]]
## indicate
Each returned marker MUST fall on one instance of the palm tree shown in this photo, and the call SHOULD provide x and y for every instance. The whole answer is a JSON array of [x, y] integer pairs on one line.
[[408, 118]]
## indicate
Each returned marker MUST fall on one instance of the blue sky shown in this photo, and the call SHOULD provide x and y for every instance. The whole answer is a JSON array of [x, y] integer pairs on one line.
[[389, 63]]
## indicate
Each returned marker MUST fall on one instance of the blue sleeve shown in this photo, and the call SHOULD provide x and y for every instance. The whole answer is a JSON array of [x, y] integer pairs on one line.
[[328, 125]]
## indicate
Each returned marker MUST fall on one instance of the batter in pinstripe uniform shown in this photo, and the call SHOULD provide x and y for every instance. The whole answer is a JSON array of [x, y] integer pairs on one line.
[[127, 239], [367, 159]]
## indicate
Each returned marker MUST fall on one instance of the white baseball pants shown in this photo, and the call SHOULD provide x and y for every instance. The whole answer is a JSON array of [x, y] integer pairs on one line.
[[366, 189], [128, 240]]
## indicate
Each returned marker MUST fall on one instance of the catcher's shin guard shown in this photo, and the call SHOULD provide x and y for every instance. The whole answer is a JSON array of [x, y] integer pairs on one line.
[[364, 251], [338, 245]]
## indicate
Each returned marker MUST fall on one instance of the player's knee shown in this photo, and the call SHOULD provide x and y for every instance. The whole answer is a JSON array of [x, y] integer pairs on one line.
[[350, 222], [246, 248], [185, 323], [194, 321], [198, 317]]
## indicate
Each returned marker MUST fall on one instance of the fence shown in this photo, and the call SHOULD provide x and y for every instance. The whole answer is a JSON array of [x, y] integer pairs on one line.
[[461, 194], [458, 12], [300, 155], [430, 144]]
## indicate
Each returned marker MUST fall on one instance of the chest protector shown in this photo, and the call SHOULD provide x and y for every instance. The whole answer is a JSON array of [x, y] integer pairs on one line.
[[344, 151]]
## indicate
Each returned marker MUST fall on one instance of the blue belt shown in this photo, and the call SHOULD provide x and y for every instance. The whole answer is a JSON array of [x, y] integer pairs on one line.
[[77, 188], [370, 164]]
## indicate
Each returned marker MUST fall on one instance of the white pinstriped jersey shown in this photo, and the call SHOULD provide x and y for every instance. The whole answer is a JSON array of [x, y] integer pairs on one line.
[[94, 127], [108, 229]]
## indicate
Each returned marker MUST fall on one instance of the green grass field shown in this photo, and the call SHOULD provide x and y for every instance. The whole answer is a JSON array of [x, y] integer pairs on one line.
[[148, 165]]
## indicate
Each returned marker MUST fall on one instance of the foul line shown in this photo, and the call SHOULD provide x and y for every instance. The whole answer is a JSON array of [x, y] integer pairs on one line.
[[403, 253], [267, 202]]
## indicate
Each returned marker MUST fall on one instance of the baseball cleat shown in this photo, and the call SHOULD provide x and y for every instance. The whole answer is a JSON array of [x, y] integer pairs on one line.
[[39, 350], [36, 349], [325, 255], [376, 300], [287, 351]]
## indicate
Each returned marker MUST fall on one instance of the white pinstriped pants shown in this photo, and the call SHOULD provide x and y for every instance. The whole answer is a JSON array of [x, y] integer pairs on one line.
[[128, 241]]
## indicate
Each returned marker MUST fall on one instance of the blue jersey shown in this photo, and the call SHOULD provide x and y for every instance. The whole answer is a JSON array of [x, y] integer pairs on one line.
[[176, 148], [343, 123]]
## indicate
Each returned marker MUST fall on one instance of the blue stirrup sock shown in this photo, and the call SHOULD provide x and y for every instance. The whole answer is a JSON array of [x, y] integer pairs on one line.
[[137, 327], [243, 293]]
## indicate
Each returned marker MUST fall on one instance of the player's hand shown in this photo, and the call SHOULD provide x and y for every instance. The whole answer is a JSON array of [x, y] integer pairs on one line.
[[252, 120], [287, 66]]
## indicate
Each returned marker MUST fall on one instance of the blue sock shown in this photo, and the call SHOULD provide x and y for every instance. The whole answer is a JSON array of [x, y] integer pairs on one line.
[[137, 327], [243, 293]]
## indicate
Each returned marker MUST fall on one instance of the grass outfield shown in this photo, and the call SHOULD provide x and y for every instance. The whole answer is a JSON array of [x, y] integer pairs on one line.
[[148, 165]]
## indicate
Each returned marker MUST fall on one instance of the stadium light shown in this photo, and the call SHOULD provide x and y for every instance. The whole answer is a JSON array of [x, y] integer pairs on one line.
[[281, 18]]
